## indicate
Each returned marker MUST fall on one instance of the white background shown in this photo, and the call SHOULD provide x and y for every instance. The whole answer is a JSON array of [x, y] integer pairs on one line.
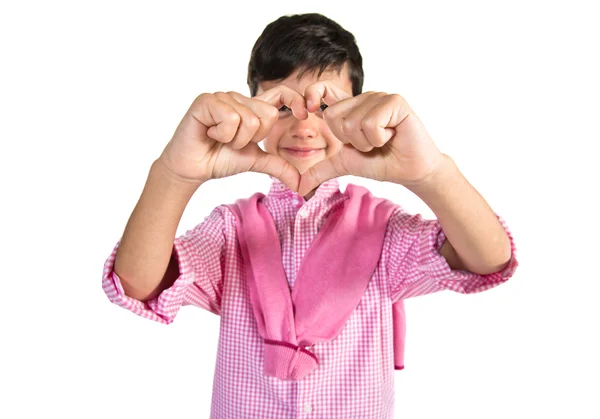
[[91, 92]]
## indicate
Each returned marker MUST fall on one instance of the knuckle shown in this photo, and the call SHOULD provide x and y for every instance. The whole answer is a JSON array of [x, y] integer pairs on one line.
[[365, 148], [235, 95], [252, 121], [203, 97], [238, 145], [348, 125], [380, 142], [395, 97], [224, 139], [232, 118], [369, 124], [377, 142], [272, 113]]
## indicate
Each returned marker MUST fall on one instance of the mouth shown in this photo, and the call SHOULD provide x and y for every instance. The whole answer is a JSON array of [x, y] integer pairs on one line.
[[303, 152]]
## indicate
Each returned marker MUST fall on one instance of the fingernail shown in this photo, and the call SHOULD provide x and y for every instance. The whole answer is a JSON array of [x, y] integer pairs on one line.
[[309, 103]]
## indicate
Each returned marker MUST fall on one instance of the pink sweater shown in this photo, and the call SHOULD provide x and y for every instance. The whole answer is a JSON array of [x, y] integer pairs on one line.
[[332, 278]]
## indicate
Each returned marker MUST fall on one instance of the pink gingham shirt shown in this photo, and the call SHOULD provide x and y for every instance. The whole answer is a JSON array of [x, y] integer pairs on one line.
[[355, 377]]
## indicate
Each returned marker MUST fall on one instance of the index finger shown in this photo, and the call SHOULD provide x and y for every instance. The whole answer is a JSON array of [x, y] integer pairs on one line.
[[326, 91], [283, 95]]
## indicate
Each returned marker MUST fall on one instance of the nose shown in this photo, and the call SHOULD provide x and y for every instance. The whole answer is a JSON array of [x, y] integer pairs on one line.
[[304, 128]]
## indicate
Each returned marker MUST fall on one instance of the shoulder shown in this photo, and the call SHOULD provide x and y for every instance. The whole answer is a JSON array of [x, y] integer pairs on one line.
[[236, 207], [362, 193]]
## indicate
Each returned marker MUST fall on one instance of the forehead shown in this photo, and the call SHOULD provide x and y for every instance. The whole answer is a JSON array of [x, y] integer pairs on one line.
[[340, 79]]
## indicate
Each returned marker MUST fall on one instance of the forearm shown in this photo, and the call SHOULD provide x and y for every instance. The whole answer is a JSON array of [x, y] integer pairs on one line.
[[147, 243], [470, 225]]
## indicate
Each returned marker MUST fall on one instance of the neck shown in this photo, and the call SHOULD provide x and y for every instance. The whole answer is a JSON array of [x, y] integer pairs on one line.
[[310, 194]]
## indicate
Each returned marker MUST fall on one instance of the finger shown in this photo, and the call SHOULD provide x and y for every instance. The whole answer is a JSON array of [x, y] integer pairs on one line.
[[325, 91], [283, 95], [249, 122], [220, 117], [321, 172], [351, 125], [377, 124], [336, 114], [278, 167], [265, 112]]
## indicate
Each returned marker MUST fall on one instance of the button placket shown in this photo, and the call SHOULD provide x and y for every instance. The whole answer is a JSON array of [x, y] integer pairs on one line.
[[303, 397], [303, 213], [307, 408]]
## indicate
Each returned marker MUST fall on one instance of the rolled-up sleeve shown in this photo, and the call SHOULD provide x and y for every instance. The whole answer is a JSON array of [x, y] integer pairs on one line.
[[416, 267], [200, 256]]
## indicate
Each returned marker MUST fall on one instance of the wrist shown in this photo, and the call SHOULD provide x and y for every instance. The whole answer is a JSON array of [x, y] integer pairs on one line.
[[443, 175], [162, 168], [171, 182]]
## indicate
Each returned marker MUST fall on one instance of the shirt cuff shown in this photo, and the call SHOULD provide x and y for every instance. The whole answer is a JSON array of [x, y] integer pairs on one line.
[[164, 307], [466, 282]]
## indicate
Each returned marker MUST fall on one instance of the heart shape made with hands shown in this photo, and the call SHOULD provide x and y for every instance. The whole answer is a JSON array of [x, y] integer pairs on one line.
[[383, 139]]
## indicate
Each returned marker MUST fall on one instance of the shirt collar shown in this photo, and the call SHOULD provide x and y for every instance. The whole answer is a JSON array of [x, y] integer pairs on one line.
[[325, 189]]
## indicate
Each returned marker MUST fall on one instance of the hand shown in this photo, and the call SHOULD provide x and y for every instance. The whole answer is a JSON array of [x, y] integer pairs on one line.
[[383, 138], [219, 135]]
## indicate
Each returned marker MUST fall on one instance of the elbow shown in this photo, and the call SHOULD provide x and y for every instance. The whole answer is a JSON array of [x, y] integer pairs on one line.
[[494, 263]]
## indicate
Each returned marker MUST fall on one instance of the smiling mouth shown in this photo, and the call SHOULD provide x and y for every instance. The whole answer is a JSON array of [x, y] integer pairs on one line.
[[296, 152]]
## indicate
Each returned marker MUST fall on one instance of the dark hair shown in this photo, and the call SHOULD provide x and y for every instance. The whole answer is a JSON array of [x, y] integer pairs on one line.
[[307, 42]]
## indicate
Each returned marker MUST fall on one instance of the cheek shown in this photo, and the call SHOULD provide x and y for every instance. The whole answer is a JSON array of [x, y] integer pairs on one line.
[[271, 142], [333, 144]]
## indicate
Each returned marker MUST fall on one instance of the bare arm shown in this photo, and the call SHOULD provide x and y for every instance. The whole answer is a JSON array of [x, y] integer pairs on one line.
[[476, 240], [144, 260]]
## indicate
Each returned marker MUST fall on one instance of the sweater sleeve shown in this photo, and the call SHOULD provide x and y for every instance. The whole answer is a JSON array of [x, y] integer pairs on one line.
[[416, 267], [200, 256]]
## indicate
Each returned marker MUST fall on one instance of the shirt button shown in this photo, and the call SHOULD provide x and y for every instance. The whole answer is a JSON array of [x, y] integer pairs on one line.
[[307, 408], [303, 213], [282, 187]]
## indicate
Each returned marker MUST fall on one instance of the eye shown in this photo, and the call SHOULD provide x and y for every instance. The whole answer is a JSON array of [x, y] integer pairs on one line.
[[321, 109]]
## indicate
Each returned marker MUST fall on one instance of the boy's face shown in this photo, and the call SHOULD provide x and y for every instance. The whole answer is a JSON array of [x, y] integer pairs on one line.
[[304, 143]]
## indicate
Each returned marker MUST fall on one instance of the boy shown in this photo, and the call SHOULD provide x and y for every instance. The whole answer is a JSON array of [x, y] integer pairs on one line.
[[305, 76]]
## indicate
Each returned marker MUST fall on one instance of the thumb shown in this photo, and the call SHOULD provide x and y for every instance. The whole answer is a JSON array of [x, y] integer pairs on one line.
[[278, 167], [321, 172]]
